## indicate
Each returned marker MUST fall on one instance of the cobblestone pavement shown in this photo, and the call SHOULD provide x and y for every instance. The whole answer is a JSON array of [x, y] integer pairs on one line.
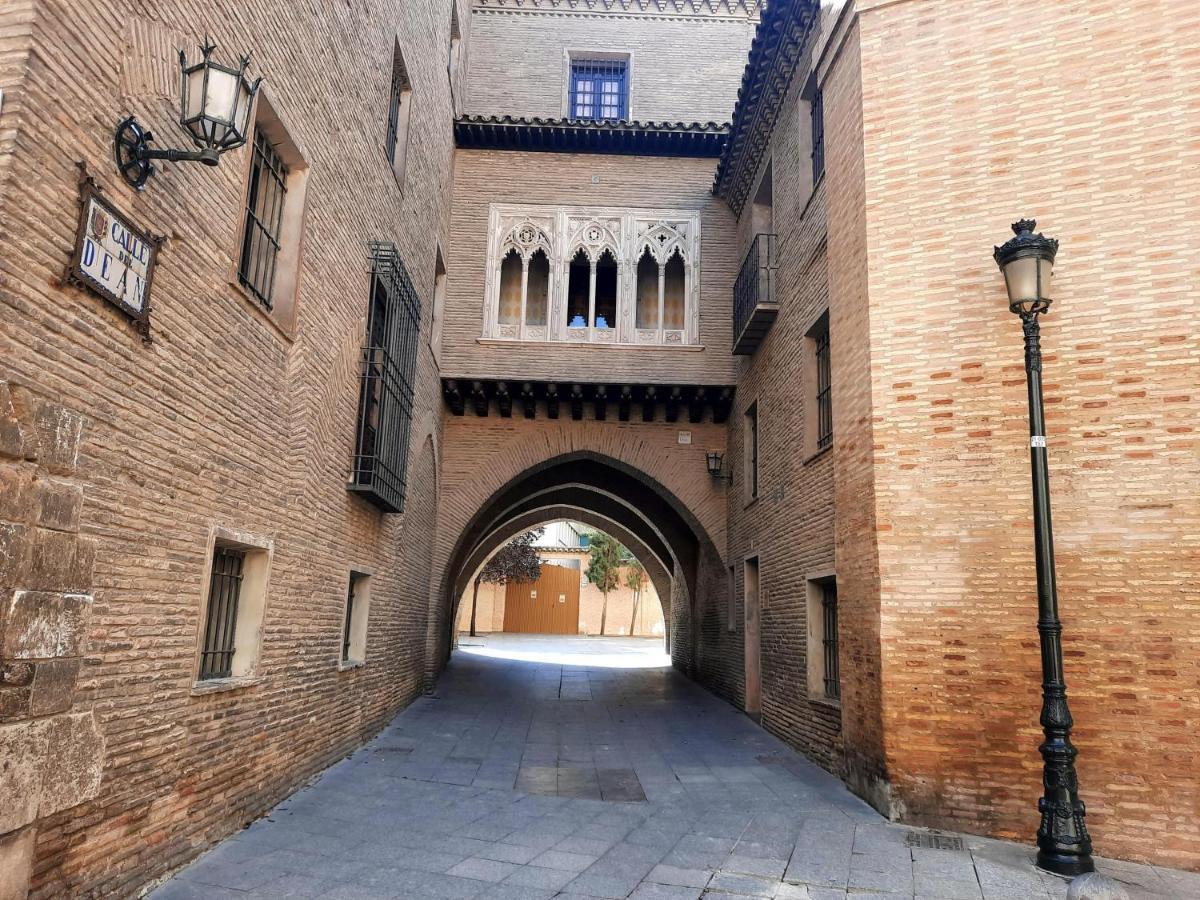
[[524, 775]]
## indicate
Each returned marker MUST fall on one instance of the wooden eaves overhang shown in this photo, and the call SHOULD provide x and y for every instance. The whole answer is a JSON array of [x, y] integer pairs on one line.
[[619, 400], [683, 139], [774, 58]]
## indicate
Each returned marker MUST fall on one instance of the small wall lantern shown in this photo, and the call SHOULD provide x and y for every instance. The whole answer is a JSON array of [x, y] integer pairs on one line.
[[214, 109], [715, 460]]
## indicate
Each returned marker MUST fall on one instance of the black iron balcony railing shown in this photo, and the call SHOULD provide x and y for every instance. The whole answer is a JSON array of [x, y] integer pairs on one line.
[[754, 303]]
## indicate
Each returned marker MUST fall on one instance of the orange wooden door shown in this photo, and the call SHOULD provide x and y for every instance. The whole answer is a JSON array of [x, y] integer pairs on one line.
[[548, 606]]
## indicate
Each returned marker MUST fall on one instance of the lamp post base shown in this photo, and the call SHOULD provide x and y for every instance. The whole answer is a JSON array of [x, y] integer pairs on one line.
[[1068, 865]]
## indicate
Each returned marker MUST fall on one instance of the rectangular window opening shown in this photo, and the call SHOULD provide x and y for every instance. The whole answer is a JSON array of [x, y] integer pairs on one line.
[[824, 385], [399, 111], [829, 641], [751, 439], [599, 89], [220, 626], [816, 101], [354, 623], [261, 234], [389, 364]]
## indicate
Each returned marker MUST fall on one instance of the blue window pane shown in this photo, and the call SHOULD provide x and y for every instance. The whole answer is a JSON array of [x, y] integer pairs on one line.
[[598, 89]]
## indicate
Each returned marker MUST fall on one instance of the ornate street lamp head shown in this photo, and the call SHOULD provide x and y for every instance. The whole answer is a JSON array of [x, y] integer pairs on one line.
[[1027, 261], [214, 109], [215, 101]]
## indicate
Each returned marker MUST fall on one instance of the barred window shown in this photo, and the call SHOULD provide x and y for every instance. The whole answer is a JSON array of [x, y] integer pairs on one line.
[[220, 624], [751, 438], [399, 109], [824, 386], [264, 214], [817, 112], [389, 364], [349, 619], [829, 640], [598, 89]]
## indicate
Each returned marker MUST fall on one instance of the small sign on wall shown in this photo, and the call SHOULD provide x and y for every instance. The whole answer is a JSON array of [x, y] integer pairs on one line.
[[685, 437], [113, 257]]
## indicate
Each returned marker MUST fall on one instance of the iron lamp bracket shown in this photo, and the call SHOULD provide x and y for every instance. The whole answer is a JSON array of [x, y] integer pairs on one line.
[[133, 154]]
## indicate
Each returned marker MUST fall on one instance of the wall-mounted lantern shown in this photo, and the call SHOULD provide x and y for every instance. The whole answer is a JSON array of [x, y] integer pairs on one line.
[[715, 460], [214, 109]]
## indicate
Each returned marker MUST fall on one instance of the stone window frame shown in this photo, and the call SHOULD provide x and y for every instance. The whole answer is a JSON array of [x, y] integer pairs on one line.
[[811, 94], [562, 231], [251, 613], [814, 587], [283, 313], [572, 55], [360, 580]]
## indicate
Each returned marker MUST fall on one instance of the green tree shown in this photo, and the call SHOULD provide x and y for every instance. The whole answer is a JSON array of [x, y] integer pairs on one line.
[[605, 556], [515, 561], [635, 580]]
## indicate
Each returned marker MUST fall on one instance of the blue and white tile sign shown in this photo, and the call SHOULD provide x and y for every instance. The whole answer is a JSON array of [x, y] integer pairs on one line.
[[113, 257]]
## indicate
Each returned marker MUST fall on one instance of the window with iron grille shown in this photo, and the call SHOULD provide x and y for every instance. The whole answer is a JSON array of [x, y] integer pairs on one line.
[[598, 89], [829, 640], [349, 619], [220, 621], [752, 449], [389, 361], [817, 112], [824, 386], [264, 213]]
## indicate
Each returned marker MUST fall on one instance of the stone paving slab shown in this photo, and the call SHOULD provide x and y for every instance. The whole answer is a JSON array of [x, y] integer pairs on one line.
[[555, 775]]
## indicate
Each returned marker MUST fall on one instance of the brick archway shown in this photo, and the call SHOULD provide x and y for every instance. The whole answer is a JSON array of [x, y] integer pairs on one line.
[[628, 499]]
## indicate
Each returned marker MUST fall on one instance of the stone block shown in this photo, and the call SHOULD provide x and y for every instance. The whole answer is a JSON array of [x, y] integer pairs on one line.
[[43, 625], [59, 561], [16, 690], [53, 688], [59, 431], [16, 864], [22, 750], [73, 763], [16, 554], [16, 492], [57, 504], [18, 440]]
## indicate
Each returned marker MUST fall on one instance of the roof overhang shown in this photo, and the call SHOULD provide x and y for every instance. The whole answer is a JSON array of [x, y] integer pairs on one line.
[[774, 57], [695, 139]]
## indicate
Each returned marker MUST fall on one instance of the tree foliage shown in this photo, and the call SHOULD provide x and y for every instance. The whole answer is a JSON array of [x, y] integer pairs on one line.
[[515, 561]]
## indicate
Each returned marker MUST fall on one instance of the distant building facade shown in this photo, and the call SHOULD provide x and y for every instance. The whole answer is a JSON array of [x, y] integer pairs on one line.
[[709, 275]]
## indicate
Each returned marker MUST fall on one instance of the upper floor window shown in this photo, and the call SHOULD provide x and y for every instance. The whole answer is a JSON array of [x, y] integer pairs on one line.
[[817, 375], [389, 365], [599, 89], [750, 437], [816, 115], [399, 111], [596, 275], [272, 220]]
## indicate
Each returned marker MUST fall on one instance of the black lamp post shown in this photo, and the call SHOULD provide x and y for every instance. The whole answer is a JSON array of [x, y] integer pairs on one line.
[[1064, 847], [214, 109]]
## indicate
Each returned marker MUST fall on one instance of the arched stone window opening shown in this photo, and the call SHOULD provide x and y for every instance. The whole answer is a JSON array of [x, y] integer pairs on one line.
[[537, 290], [579, 277], [509, 307], [646, 312], [675, 293], [605, 308]]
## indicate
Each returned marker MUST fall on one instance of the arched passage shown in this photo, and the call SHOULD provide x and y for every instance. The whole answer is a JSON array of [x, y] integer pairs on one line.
[[615, 496]]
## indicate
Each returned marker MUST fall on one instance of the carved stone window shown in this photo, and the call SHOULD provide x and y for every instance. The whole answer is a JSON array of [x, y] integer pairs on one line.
[[593, 275]]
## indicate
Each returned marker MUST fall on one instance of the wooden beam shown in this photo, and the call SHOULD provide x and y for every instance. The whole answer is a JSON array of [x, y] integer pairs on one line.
[[479, 398], [528, 400]]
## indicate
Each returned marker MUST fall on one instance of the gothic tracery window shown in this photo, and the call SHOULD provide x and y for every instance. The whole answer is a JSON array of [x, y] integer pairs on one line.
[[593, 275]]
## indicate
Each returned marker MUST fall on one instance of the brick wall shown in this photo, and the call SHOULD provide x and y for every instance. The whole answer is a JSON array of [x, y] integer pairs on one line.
[[482, 177], [682, 67], [222, 420], [1097, 140]]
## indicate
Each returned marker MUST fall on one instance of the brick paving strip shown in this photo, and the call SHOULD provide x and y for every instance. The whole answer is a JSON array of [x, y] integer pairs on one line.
[[504, 786]]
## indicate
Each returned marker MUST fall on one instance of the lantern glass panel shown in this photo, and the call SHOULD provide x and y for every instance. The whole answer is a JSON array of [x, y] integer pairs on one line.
[[221, 95], [245, 102], [1046, 271], [195, 100], [1020, 276]]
